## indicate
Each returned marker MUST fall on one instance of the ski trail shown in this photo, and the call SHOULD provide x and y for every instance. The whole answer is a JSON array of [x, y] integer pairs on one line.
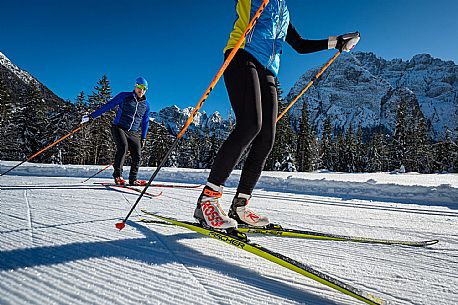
[[29, 215], [180, 261]]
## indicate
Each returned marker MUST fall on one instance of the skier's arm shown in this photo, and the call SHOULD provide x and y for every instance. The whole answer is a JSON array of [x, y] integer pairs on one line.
[[302, 45], [145, 121], [108, 106]]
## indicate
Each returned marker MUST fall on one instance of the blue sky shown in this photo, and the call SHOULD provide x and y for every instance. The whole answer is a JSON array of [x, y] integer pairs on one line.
[[177, 45]]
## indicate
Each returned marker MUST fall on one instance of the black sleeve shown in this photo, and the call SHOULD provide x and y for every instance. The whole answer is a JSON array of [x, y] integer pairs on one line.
[[304, 46]]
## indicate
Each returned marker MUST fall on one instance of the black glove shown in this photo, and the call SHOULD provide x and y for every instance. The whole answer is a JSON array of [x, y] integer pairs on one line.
[[344, 42]]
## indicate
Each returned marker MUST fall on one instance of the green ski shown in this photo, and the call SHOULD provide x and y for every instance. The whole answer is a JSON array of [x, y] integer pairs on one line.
[[277, 258]]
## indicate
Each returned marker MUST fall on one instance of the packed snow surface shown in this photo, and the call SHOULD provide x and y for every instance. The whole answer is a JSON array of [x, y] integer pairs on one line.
[[58, 243]]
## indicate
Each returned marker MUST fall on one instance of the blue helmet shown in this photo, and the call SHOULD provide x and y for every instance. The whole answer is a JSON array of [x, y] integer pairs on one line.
[[141, 81]]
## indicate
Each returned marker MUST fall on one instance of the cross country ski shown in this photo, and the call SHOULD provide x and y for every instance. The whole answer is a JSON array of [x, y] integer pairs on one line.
[[277, 258]]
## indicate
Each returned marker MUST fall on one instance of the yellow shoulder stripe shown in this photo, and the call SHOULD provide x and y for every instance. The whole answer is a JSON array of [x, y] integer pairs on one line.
[[243, 12]]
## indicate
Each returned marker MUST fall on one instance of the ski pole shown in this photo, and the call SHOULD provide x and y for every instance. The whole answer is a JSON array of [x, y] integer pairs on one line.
[[122, 224], [301, 93], [44, 149], [127, 155], [98, 172], [309, 85]]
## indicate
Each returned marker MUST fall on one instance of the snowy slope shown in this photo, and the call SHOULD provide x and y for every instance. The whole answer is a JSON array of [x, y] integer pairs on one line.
[[58, 244], [17, 81]]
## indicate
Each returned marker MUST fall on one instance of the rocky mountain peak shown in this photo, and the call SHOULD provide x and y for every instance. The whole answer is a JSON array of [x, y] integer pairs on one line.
[[364, 89]]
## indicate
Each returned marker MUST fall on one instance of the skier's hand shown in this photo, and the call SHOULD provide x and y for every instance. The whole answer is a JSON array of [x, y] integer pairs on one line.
[[143, 143], [344, 42], [86, 118]]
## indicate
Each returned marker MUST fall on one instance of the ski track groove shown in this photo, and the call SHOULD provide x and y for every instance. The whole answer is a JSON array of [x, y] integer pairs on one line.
[[169, 250], [354, 263], [29, 215], [64, 284], [182, 264], [12, 294], [39, 290], [104, 274]]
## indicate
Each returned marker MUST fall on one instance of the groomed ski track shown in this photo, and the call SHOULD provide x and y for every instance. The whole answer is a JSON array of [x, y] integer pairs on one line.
[[58, 245]]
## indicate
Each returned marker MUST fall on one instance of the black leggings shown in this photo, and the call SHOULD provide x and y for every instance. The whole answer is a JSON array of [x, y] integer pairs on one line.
[[126, 141], [253, 95]]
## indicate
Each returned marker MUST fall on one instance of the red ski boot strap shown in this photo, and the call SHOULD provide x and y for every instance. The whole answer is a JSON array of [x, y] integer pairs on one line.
[[210, 193]]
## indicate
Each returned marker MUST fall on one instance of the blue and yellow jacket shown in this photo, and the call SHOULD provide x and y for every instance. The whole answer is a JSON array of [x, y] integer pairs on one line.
[[132, 112], [265, 41]]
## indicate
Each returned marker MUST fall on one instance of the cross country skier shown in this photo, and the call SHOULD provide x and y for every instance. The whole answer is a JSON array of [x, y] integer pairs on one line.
[[250, 82], [133, 111]]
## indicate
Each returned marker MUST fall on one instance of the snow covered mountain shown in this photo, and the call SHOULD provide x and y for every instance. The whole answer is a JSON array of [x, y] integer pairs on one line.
[[358, 87], [174, 119], [364, 89], [16, 81]]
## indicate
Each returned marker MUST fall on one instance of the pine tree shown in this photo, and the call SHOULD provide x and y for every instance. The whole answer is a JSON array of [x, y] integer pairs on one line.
[[420, 146], [83, 139], [350, 150], [61, 122], [214, 143], [8, 133], [454, 156], [378, 153], [326, 146], [158, 142], [444, 154], [340, 149], [285, 142], [102, 148], [399, 147], [33, 124], [361, 152], [304, 143]]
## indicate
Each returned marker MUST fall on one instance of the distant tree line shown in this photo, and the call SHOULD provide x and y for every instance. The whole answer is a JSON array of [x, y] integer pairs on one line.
[[27, 124]]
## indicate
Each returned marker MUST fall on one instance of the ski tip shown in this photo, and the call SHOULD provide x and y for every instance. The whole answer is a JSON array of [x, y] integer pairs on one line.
[[431, 242], [120, 225]]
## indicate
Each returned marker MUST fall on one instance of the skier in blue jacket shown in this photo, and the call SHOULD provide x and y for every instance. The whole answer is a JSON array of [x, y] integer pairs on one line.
[[251, 86], [133, 112]]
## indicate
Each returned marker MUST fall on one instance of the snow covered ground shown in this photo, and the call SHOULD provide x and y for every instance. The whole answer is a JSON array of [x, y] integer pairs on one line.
[[58, 243]]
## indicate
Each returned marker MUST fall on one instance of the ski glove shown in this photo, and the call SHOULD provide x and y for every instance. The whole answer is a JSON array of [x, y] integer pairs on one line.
[[86, 118], [344, 42]]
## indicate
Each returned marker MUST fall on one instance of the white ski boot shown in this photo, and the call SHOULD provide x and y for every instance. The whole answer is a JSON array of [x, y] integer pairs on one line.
[[243, 215], [209, 212]]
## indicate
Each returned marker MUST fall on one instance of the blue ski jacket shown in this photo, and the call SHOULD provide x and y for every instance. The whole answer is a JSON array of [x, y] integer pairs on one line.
[[131, 113], [265, 41]]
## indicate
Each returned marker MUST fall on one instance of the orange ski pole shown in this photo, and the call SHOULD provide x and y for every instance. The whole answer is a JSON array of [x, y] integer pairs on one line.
[[122, 224], [44, 149], [308, 85]]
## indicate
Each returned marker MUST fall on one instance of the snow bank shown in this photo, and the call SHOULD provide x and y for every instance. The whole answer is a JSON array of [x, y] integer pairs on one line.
[[405, 188]]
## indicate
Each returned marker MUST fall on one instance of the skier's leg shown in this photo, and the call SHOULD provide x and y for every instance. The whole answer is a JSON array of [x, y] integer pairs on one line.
[[135, 153], [263, 143], [260, 149], [242, 83], [120, 140]]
